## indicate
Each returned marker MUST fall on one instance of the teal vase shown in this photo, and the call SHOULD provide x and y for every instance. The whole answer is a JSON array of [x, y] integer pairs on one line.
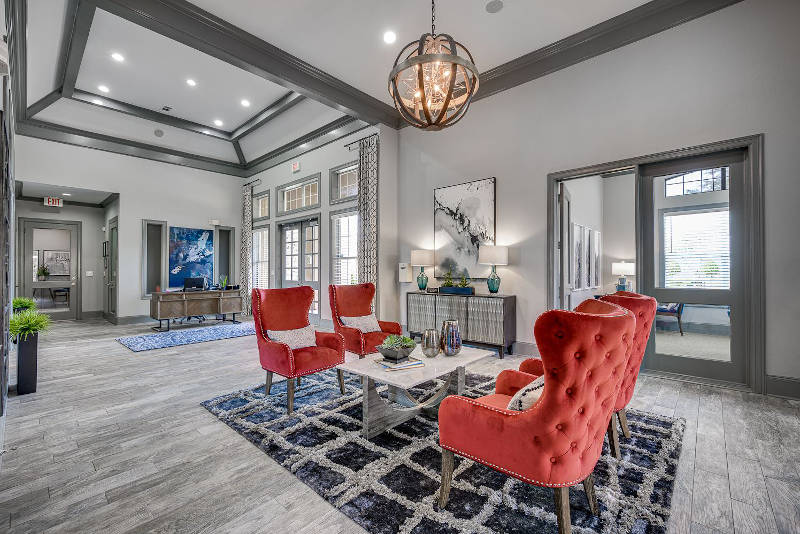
[[422, 279], [493, 281]]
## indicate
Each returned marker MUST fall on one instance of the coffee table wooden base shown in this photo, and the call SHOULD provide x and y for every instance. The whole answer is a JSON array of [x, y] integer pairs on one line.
[[380, 415]]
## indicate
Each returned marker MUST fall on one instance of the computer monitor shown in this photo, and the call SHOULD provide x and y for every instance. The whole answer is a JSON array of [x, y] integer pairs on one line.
[[194, 284]]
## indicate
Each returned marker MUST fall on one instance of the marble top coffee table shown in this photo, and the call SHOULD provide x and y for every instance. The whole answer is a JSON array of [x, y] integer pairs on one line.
[[380, 415]]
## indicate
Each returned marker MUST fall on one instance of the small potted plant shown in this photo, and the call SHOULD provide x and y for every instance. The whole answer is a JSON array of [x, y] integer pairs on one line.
[[25, 327], [223, 282], [23, 303], [396, 348], [42, 272], [463, 287]]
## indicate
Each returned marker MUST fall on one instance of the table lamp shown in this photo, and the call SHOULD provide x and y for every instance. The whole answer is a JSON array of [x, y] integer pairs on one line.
[[494, 256], [422, 259], [623, 269]]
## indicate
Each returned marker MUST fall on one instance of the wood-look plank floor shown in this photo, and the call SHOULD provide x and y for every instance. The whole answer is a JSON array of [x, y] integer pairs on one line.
[[116, 441]]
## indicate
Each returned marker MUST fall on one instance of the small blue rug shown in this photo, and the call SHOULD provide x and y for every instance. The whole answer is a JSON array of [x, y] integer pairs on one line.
[[174, 338]]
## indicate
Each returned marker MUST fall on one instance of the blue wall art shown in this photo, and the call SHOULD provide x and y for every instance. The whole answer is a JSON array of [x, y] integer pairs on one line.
[[463, 219], [191, 255]]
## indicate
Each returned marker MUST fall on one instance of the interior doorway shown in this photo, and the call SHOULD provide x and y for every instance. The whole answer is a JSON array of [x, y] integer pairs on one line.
[[697, 235], [300, 258], [50, 265], [111, 269]]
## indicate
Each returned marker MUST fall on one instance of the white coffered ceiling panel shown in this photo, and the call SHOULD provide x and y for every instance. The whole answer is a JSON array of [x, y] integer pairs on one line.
[[155, 70], [345, 38], [105, 121], [74, 194], [45, 33], [303, 118]]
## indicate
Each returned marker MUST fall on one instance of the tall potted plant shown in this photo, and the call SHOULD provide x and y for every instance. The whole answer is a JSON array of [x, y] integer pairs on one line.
[[23, 303], [25, 327]]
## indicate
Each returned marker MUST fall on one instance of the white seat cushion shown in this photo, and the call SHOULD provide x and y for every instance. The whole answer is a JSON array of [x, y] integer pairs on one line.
[[297, 338], [365, 323]]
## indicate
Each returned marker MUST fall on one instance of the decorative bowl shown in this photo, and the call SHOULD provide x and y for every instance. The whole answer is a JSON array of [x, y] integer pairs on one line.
[[395, 355]]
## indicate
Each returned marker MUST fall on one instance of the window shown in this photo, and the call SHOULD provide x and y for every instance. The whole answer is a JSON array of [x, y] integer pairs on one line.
[[696, 250], [261, 206], [703, 181], [154, 254], [259, 270], [344, 248], [344, 182], [300, 195]]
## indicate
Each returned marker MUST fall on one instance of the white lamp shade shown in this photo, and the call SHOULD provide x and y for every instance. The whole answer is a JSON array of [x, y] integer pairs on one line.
[[623, 268], [493, 255], [422, 258]]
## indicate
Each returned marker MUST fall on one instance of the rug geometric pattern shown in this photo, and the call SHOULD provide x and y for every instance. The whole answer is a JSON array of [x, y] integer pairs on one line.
[[389, 484]]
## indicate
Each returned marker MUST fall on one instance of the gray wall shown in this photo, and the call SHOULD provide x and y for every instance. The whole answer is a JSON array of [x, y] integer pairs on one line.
[[586, 195], [619, 226], [728, 74], [91, 245]]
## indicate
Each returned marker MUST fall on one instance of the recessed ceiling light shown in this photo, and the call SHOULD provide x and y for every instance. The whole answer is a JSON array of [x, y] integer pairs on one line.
[[333, 132], [67, 194], [190, 82], [103, 88], [97, 101], [217, 122], [245, 103], [116, 56], [389, 37]]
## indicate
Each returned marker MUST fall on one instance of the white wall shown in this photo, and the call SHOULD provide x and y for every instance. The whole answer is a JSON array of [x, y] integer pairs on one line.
[[148, 190], [728, 74], [91, 244], [586, 198], [619, 226]]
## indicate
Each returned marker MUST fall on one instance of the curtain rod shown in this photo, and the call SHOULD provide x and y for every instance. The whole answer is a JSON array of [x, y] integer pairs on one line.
[[351, 143], [254, 183]]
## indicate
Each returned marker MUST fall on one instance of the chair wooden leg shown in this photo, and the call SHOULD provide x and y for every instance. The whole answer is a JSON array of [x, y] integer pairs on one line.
[[561, 498], [623, 422], [588, 486], [613, 438], [448, 461], [290, 395], [268, 384], [680, 324], [340, 375]]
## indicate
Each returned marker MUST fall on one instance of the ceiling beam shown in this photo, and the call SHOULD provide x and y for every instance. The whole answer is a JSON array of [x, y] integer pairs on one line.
[[188, 24], [144, 113], [284, 103], [45, 102], [239, 154], [16, 24], [639, 23], [83, 138], [71, 62]]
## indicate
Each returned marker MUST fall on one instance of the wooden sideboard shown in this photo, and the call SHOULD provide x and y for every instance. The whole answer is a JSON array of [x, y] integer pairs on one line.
[[485, 320], [178, 304]]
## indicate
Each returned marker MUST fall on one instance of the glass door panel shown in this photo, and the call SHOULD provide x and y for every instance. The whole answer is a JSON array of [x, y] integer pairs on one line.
[[51, 263], [300, 256]]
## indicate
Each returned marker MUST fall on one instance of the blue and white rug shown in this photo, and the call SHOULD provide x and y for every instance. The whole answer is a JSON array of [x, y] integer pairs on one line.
[[389, 484], [187, 336]]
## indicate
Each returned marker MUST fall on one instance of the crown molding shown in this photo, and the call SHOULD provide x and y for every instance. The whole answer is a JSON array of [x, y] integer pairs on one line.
[[284, 103]]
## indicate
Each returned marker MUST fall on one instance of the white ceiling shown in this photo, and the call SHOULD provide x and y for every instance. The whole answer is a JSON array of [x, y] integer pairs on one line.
[[76, 194], [45, 32], [155, 70], [345, 38]]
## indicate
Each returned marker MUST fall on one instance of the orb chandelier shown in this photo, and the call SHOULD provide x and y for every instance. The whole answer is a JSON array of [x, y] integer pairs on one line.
[[433, 80]]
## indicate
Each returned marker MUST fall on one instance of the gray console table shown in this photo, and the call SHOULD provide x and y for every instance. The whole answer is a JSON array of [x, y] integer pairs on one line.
[[484, 320]]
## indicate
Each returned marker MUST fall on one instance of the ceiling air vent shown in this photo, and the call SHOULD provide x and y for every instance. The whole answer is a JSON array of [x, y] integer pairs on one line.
[[166, 108]]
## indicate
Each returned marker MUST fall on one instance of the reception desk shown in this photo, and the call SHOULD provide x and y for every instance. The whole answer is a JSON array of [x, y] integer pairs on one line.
[[178, 304]]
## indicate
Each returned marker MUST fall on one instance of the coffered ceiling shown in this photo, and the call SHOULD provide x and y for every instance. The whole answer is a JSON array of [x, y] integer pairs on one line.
[[241, 85]]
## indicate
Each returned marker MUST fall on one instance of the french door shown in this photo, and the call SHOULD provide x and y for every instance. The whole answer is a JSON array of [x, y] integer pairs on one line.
[[693, 263], [300, 257]]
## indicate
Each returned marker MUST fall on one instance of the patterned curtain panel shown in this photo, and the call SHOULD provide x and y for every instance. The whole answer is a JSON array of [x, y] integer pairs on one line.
[[245, 258], [368, 211]]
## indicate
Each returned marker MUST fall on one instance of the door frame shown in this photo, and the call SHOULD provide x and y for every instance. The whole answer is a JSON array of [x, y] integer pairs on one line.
[[108, 315], [23, 281], [317, 216], [753, 312]]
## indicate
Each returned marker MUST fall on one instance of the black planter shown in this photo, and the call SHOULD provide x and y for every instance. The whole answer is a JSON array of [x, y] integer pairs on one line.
[[27, 356], [455, 290]]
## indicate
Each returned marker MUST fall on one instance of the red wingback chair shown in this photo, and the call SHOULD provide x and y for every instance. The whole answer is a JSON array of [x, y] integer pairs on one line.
[[557, 442], [287, 309], [356, 301], [644, 309]]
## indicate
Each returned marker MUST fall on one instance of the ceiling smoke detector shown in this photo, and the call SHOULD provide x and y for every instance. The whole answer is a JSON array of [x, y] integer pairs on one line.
[[166, 108], [494, 6], [158, 132]]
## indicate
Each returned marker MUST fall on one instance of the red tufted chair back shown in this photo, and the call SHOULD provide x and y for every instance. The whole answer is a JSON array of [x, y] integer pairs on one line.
[[584, 353], [644, 309], [282, 309], [351, 301]]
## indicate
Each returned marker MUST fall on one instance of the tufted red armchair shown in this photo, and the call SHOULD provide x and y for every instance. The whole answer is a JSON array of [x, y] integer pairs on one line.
[[557, 442], [287, 309], [356, 301], [644, 309]]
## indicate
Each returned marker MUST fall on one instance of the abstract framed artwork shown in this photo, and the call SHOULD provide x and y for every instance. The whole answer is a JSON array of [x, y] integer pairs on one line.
[[463, 220], [191, 254], [578, 256], [596, 255], [587, 253], [57, 262]]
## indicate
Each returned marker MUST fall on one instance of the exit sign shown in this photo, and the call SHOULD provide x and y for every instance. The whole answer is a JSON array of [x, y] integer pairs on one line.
[[54, 202]]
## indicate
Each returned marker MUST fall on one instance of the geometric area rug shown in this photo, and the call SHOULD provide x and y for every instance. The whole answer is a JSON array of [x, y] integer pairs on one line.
[[187, 336], [389, 484]]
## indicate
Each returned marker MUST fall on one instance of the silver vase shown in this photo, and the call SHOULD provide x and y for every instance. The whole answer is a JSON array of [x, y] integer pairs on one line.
[[431, 343], [451, 338]]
